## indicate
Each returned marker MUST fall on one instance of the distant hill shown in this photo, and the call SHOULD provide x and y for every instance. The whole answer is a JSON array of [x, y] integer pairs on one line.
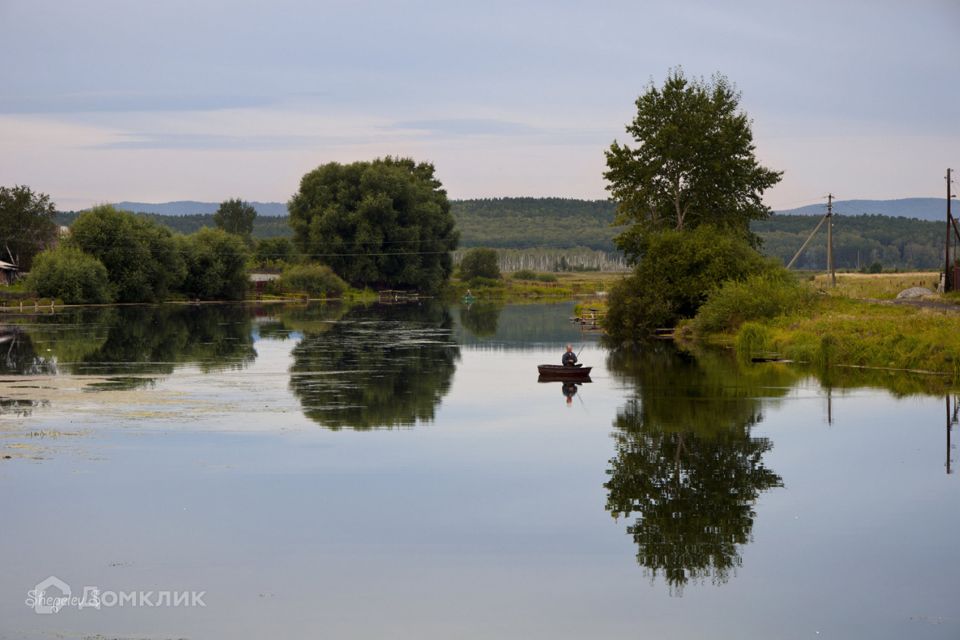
[[192, 207], [490, 209], [920, 208], [558, 223]]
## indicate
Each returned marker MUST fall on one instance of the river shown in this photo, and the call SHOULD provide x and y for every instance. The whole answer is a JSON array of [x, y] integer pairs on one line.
[[394, 471]]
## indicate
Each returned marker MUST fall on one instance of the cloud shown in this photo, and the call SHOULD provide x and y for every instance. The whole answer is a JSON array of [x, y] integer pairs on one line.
[[468, 127], [214, 141], [118, 101]]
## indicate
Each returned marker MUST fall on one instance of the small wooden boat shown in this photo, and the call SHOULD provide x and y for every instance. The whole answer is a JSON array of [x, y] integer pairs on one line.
[[558, 372]]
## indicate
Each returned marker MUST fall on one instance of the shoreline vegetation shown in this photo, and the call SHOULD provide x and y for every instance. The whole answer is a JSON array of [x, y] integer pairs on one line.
[[858, 324]]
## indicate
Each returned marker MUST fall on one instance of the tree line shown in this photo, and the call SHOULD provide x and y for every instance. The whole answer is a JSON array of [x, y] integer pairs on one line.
[[532, 232]]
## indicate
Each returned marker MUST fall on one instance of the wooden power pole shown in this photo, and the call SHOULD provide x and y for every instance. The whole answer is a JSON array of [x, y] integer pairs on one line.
[[948, 283], [830, 269]]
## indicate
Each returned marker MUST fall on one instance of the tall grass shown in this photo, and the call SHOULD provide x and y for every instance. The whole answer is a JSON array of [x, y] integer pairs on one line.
[[839, 331]]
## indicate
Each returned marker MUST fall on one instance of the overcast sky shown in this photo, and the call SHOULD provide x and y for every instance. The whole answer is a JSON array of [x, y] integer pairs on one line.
[[105, 101]]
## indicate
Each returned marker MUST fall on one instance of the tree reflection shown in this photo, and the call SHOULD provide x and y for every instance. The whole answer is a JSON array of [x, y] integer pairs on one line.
[[133, 340], [19, 356], [481, 318], [686, 463], [377, 367]]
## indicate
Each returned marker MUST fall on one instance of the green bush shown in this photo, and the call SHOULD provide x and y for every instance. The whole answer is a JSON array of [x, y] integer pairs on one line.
[[142, 258], [312, 279], [527, 274], [760, 296], [216, 265], [70, 275], [479, 263], [677, 273]]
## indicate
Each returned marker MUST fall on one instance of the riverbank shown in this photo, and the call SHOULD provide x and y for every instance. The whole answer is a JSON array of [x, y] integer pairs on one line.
[[857, 324]]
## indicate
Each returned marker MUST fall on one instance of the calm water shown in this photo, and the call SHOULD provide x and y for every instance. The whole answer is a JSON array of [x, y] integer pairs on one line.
[[399, 472]]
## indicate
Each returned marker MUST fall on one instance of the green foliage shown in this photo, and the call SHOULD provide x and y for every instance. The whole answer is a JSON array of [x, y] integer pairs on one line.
[[274, 251], [676, 275], [216, 265], [235, 216], [383, 223], [694, 163], [69, 274], [524, 274], [479, 263], [141, 257], [314, 279], [763, 295], [27, 224]]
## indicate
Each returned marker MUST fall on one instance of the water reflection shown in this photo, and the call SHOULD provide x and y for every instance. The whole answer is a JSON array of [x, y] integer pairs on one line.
[[19, 356], [488, 325], [129, 341], [375, 367], [481, 318], [687, 466]]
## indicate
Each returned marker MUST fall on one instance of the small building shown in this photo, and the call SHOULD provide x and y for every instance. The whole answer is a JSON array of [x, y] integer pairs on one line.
[[260, 281], [8, 272]]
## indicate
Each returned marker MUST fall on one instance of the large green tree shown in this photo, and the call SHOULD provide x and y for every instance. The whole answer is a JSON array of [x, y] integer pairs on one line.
[[383, 223], [693, 163], [236, 216], [216, 264], [27, 224], [142, 259]]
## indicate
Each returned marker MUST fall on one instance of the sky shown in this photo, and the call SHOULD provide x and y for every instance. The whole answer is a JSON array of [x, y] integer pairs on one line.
[[109, 100]]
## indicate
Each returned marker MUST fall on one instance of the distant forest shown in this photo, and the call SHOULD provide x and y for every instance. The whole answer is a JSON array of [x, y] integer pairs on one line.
[[860, 241]]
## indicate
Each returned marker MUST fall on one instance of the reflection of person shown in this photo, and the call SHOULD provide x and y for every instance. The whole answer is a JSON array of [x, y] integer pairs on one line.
[[569, 390], [569, 358]]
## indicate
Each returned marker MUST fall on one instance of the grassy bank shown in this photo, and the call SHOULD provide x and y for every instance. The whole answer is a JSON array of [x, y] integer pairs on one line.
[[847, 327], [879, 286], [552, 286]]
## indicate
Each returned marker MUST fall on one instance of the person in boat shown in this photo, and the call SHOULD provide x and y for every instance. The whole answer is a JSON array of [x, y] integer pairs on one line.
[[569, 358]]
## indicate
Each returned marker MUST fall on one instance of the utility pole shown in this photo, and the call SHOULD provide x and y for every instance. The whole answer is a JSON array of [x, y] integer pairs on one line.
[[830, 269], [948, 284]]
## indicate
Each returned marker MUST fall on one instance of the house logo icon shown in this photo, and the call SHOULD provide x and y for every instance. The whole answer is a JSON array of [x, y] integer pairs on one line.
[[50, 595]]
